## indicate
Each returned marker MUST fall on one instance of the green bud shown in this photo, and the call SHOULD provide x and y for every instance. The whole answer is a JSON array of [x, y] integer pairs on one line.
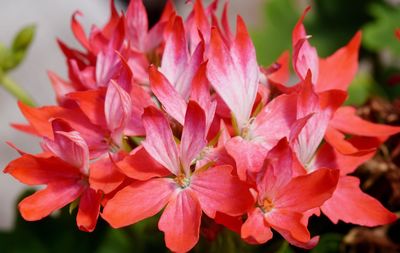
[[23, 38]]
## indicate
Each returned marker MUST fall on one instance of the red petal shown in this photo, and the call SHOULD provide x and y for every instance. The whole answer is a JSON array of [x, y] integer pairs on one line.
[[168, 96], [78, 31], [89, 209], [55, 196], [138, 201], [305, 56], [104, 175], [275, 120], [338, 70], [256, 230], [180, 221], [141, 166], [328, 157], [91, 102], [350, 204], [346, 120], [35, 170], [249, 156], [218, 190], [289, 221], [308, 191]]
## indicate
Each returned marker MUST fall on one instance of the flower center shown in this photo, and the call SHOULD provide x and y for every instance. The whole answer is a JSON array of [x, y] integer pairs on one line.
[[182, 180], [267, 205]]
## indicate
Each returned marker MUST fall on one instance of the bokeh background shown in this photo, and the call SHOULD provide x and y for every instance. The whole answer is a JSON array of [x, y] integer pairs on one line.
[[375, 91]]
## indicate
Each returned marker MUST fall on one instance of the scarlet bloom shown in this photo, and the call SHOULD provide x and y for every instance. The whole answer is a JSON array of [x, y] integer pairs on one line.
[[283, 199], [64, 168], [188, 190], [181, 118]]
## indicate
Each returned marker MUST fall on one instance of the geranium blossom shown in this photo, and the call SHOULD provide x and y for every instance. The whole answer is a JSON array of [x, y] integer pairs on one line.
[[181, 119]]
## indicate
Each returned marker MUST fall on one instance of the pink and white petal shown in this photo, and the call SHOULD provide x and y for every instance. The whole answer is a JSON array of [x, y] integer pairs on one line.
[[193, 138], [255, 229], [184, 83], [228, 80], [176, 54], [141, 166], [180, 221], [351, 205], [117, 109], [138, 201], [218, 190], [137, 24], [244, 57], [89, 210], [169, 97], [70, 147], [201, 94], [159, 142], [55, 196]]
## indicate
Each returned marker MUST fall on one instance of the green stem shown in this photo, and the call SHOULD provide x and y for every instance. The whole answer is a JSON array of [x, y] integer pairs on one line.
[[14, 89]]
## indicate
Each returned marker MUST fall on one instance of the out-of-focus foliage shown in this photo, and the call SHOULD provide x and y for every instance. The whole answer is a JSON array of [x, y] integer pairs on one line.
[[11, 57], [379, 34]]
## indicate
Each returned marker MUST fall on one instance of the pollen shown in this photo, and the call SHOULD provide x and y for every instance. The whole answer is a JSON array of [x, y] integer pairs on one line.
[[267, 205], [182, 181]]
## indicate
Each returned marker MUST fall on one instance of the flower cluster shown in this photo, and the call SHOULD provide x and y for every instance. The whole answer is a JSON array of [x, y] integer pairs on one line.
[[180, 119]]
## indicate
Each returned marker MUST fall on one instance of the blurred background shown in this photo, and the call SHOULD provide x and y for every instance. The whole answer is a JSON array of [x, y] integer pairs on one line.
[[375, 91]]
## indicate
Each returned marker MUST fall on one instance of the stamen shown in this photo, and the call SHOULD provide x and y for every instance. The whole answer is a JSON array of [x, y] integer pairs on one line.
[[182, 181]]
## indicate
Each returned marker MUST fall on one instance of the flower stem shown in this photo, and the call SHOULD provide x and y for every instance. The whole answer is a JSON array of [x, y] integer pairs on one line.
[[14, 89]]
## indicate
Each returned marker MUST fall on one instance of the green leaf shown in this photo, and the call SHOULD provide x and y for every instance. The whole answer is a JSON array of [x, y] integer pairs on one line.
[[281, 16], [379, 34], [362, 88], [328, 243]]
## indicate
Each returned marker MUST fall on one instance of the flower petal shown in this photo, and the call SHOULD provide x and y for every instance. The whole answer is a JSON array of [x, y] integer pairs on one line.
[[89, 209], [350, 204], [141, 166], [138, 201], [308, 191], [36, 170], [169, 97], [55, 196], [289, 221], [180, 221], [159, 142], [218, 190], [255, 229], [193, 138], [338, 70]]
